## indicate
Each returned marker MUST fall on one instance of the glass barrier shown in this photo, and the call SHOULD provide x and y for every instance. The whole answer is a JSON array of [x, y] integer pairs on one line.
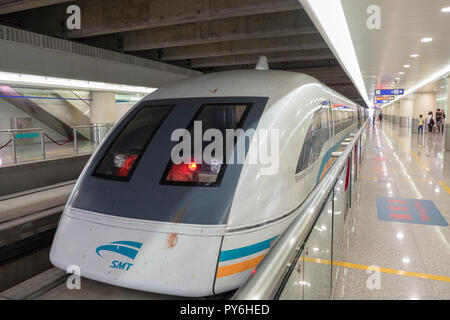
[[339, 218], [295, 284], [304, 262], [317, 257], [27, 145]]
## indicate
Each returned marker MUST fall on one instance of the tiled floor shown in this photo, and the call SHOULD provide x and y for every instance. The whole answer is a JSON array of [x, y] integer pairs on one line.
[[398, 165]]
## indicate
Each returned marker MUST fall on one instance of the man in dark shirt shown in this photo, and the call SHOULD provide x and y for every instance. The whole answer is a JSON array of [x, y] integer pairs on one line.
[[438, 120]]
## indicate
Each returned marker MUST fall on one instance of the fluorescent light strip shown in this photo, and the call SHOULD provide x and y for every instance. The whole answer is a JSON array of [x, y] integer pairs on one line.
[[329, 18], [434, 77], [10, 78]]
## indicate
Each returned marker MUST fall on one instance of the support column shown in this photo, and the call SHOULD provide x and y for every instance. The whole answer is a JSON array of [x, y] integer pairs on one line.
[[102, 114], [424, 103], [395, 112], [447, 127], [391, 113], [387, 113], [103, 107], [406, 111]]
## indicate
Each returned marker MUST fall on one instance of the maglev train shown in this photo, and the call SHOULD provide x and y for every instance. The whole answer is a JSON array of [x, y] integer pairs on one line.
[[140, 220]]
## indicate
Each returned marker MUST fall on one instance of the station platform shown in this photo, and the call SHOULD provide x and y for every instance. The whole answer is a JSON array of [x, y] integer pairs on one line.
[[399, 223], [33, 152]]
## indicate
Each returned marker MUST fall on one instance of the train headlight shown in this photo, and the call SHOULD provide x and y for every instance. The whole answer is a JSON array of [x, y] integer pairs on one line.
[[119, 160]]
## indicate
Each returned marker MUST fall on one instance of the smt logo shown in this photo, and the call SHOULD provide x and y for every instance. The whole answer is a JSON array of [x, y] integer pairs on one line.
[[128, 249]]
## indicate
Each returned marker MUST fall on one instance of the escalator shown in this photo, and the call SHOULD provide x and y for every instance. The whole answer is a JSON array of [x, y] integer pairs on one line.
[[58, 109]]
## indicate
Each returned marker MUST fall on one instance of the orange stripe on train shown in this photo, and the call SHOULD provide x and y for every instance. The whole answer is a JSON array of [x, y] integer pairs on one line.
[[238, 267]]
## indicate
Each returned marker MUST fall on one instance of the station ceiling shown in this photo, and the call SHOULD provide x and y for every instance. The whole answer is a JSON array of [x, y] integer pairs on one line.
[[204, 35], [394, 55]]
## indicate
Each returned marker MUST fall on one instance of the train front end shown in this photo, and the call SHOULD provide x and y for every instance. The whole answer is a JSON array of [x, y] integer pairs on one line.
[[137, 218]]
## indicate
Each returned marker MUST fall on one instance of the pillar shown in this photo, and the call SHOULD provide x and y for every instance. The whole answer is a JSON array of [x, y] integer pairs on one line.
[[447, 126], [102, 114], [395, 112], [103, 108], [405, 111], [424, 102]]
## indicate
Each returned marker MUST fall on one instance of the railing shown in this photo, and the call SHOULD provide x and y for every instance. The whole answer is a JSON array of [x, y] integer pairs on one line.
[[96, 134], [30, 133], [283, 274]]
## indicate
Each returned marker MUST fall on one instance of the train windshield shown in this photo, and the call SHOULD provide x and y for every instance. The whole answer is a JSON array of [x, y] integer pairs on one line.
[[122, 157], [201, 156]]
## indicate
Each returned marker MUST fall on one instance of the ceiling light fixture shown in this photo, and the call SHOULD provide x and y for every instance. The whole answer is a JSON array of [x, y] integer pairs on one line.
[[427, 39], [445, 10], [407, 66], [54, 82], [401, 72], [414, 56], [330, 20]]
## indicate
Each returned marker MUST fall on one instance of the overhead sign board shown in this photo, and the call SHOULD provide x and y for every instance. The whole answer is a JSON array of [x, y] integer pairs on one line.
[[389, 92], [386, 98]]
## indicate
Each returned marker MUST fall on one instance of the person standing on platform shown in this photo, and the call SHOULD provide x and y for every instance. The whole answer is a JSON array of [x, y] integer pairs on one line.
[[430, 122], [420, 130], [381, 116], [442, 121], [438, 120]]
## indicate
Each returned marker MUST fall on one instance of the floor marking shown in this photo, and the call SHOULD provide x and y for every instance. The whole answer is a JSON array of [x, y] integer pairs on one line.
[[442, 183], [410, 151], [404, 210], [381, 269], [401, 179]]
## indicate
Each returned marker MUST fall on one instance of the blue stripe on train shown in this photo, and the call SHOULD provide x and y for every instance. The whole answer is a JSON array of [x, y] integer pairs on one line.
[[245, 251]]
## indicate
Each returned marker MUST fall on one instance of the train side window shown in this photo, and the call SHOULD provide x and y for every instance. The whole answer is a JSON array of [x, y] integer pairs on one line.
[[208, 173], [122, 157], [317, 136]]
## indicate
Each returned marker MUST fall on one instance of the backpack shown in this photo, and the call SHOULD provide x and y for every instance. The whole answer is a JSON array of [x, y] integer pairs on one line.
[[431, 122]]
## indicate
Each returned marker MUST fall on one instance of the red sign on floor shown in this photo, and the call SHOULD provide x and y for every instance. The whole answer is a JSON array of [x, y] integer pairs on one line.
[[409, 210]]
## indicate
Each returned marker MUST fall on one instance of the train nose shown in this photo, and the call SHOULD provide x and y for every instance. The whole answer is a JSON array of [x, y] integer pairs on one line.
[[161, 262]]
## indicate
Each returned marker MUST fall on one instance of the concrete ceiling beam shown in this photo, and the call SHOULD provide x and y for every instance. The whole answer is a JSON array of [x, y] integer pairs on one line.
[[22, 5], [102, 17], [261, 46], [270, 25], [301, 55]]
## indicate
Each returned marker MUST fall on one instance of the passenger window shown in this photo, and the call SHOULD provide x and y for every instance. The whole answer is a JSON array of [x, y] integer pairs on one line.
[[317, 136], [210, 172], [122, 157]]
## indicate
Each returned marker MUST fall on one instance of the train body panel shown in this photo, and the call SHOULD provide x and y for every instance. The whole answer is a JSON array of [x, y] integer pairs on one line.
[[241, 252], [121, 252], [201, 232]]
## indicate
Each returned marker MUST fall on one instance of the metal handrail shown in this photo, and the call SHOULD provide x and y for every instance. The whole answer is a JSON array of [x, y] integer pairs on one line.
[[268, 277], [90, 125], [13, 130], [13, 140]]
